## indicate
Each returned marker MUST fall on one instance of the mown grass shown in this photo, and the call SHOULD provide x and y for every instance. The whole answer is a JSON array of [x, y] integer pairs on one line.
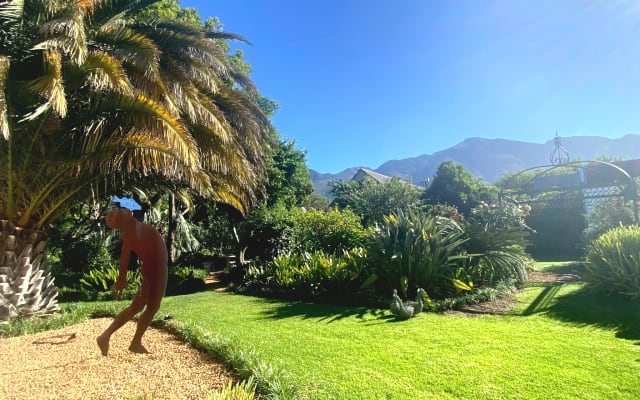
[[561, 342], [340, 353]]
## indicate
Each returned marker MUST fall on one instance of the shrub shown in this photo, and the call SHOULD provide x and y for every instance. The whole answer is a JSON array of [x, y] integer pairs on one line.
[[613, 262], [330, 231], [408, 252], [261, 232], [98, 282], [185, 280], [316, 276], [607, 214], [372, 200], [558, 227], [497, 236]]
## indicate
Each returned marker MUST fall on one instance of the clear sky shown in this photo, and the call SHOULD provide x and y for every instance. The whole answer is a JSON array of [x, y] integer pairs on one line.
[[361, 82]]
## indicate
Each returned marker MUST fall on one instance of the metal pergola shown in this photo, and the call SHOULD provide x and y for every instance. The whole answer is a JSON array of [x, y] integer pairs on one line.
[[589, 181]]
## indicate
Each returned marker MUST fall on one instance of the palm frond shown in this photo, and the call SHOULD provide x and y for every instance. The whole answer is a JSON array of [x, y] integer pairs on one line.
[[137, 154], [66, 33], [190, 49], [226, 36], [131, 48], [116, 11], [106, 72], [50, 84], [142, 111], [11, 10]]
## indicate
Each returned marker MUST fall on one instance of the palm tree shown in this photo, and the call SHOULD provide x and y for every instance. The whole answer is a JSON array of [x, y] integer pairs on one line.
[[92, 101]]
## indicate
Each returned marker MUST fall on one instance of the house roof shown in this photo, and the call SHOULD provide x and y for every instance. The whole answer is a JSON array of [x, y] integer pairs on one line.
[[364, 173]]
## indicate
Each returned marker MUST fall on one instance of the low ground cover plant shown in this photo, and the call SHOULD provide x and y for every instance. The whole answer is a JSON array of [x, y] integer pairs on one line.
[[98, 282]]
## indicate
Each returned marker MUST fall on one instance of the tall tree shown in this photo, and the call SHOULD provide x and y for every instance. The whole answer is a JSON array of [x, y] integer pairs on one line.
[[289, 181], [91, 102], [372, 200], [455, 186]]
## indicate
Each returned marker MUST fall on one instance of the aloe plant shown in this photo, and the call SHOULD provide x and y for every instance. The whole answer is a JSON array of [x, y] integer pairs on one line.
[[411, 251]]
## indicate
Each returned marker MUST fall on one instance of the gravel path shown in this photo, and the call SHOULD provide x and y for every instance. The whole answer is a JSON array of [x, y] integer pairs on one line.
[[67, 364]]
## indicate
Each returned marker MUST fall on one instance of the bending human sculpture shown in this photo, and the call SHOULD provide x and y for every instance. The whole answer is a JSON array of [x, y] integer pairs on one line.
[[145, 241]]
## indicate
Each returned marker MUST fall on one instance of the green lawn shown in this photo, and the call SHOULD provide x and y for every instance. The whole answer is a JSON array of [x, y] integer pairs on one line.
[[560, 343]]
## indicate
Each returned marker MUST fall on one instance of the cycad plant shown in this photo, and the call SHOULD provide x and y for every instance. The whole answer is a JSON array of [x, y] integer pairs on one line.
[[497, 235], [92, 102], [416, 251]]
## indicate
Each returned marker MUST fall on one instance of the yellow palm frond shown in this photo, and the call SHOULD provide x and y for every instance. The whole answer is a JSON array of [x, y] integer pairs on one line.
[[106, 72], [133, 48], [65, 32], [144, 112], [50, 84]]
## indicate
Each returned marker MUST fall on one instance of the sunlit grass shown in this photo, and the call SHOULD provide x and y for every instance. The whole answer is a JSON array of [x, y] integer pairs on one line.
[[357, 353], [559, 343]]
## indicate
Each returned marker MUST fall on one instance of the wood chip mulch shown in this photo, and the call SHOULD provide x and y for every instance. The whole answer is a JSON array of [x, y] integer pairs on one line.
[[67, 364]]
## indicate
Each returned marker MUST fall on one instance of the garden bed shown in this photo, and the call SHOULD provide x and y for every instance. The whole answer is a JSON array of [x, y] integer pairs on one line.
[[504, 305]]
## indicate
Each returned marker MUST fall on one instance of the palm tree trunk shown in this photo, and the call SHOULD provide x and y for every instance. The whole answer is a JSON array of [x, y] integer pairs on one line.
[[26, 283], [171, 231]]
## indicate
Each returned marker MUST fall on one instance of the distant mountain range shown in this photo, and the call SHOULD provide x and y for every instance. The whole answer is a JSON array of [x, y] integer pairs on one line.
[[490, 158]]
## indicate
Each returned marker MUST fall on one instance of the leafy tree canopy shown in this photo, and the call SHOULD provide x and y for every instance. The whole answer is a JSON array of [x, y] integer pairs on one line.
[[455, 186], [372, 200], [289, 181], [169, 10]]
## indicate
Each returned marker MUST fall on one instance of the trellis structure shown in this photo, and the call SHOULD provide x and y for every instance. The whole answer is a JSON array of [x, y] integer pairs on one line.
[[589, 182]]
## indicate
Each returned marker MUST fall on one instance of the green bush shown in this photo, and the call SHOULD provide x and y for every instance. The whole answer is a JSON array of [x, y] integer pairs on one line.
[[330, 231], [607, 214], [78, 242], [316, 276], [98, 282], [372, 200], [497, 236], [416, 251], [613, 262], [185, 280], [261, 232], [557, 227]]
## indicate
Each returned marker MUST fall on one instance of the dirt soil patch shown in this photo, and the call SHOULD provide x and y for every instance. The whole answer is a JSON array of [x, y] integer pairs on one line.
[[66, 364], [504, 305]]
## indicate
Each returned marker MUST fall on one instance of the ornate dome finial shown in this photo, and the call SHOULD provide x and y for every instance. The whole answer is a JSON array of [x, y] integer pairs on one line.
[[559, 155]]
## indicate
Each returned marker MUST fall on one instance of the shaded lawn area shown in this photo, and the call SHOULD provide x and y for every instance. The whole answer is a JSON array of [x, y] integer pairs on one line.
[[568, 345]]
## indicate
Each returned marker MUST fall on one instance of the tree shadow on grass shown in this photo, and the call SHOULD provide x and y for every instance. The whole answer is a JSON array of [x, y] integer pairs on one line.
[[586, 307], [324, 312], [573, 268]]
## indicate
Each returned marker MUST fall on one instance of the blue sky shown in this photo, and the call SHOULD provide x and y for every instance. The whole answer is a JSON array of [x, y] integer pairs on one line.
[[361, 82]]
